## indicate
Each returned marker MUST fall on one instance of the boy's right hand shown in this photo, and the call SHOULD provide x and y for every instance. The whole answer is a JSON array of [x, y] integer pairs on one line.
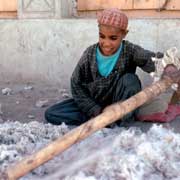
[[172, 72]]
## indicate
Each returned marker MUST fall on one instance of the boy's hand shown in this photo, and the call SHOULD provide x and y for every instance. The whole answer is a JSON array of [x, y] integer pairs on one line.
[[171, 71], [105, 109]]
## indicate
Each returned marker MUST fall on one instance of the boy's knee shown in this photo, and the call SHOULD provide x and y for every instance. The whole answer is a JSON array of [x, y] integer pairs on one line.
[[131, 80], [51, 118], [47, 115]]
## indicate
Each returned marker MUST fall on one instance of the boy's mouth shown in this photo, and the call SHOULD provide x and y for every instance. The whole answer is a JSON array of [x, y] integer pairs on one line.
[[107, 49]]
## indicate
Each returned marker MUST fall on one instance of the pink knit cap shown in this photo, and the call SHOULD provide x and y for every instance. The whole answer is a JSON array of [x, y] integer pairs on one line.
[[113, 17]]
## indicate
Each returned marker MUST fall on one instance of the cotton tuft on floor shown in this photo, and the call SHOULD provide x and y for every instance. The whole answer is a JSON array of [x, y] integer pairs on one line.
[[109, 154]]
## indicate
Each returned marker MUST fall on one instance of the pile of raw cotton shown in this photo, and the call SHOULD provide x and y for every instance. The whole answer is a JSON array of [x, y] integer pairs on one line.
[[109, 154]]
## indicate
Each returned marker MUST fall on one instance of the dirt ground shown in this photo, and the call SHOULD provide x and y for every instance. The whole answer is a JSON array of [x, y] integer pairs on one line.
[[21, 104], [27, 101]]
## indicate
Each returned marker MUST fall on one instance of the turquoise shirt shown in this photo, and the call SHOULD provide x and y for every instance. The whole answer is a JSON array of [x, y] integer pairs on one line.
[[106, 63]]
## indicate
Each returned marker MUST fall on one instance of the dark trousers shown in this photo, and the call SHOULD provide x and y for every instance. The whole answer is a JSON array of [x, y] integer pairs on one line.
[[68, 112]]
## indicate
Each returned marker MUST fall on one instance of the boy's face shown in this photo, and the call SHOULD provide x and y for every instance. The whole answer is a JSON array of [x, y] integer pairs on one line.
[[110, 39]]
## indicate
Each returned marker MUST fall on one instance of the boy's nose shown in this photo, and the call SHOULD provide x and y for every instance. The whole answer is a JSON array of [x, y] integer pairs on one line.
[[106, 43]]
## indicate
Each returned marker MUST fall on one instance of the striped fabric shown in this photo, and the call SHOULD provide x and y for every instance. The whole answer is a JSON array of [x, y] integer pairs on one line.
[[113, 17], [90, 90]]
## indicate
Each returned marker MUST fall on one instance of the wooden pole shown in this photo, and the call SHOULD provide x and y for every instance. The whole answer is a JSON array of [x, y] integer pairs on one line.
[[111, 114]]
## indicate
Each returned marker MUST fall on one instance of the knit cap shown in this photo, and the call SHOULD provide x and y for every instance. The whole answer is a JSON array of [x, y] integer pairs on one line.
[[113, 17]]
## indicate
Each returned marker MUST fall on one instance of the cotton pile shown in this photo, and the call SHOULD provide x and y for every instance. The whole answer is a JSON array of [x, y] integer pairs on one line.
[[171, 56], [109, 154]]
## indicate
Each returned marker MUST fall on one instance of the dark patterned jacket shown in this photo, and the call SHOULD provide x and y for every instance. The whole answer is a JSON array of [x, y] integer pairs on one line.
[[90, 89]]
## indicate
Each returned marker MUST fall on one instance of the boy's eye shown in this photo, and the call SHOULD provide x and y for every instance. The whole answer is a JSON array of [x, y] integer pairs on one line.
[[113, 38], [101, 36]]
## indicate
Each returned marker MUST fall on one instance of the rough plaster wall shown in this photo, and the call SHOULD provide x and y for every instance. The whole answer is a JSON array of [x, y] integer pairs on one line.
[[48, 50], [43, 49], [69, 9], [43, 45], [51, 9]]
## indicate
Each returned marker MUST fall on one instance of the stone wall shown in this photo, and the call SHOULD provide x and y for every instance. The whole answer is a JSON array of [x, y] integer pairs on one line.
[[51, 9], [47, 39], [49, 49]]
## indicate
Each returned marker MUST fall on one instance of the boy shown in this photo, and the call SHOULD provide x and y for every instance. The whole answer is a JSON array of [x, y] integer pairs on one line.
[[105, 73]]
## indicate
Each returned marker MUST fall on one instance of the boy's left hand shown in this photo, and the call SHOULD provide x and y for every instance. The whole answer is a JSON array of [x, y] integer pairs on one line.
[[171, 71]]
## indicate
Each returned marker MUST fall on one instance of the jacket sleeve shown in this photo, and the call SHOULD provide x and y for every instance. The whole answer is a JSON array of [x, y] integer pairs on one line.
[[143, 58], [81, 95]]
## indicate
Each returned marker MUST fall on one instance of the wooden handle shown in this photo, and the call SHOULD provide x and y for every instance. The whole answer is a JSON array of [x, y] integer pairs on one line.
[[113, 113]]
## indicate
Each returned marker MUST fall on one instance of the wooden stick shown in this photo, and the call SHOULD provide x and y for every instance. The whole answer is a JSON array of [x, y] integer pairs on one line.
[[111, 114]]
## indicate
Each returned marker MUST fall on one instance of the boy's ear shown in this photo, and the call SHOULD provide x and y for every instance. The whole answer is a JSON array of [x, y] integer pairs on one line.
[[126, 32]]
